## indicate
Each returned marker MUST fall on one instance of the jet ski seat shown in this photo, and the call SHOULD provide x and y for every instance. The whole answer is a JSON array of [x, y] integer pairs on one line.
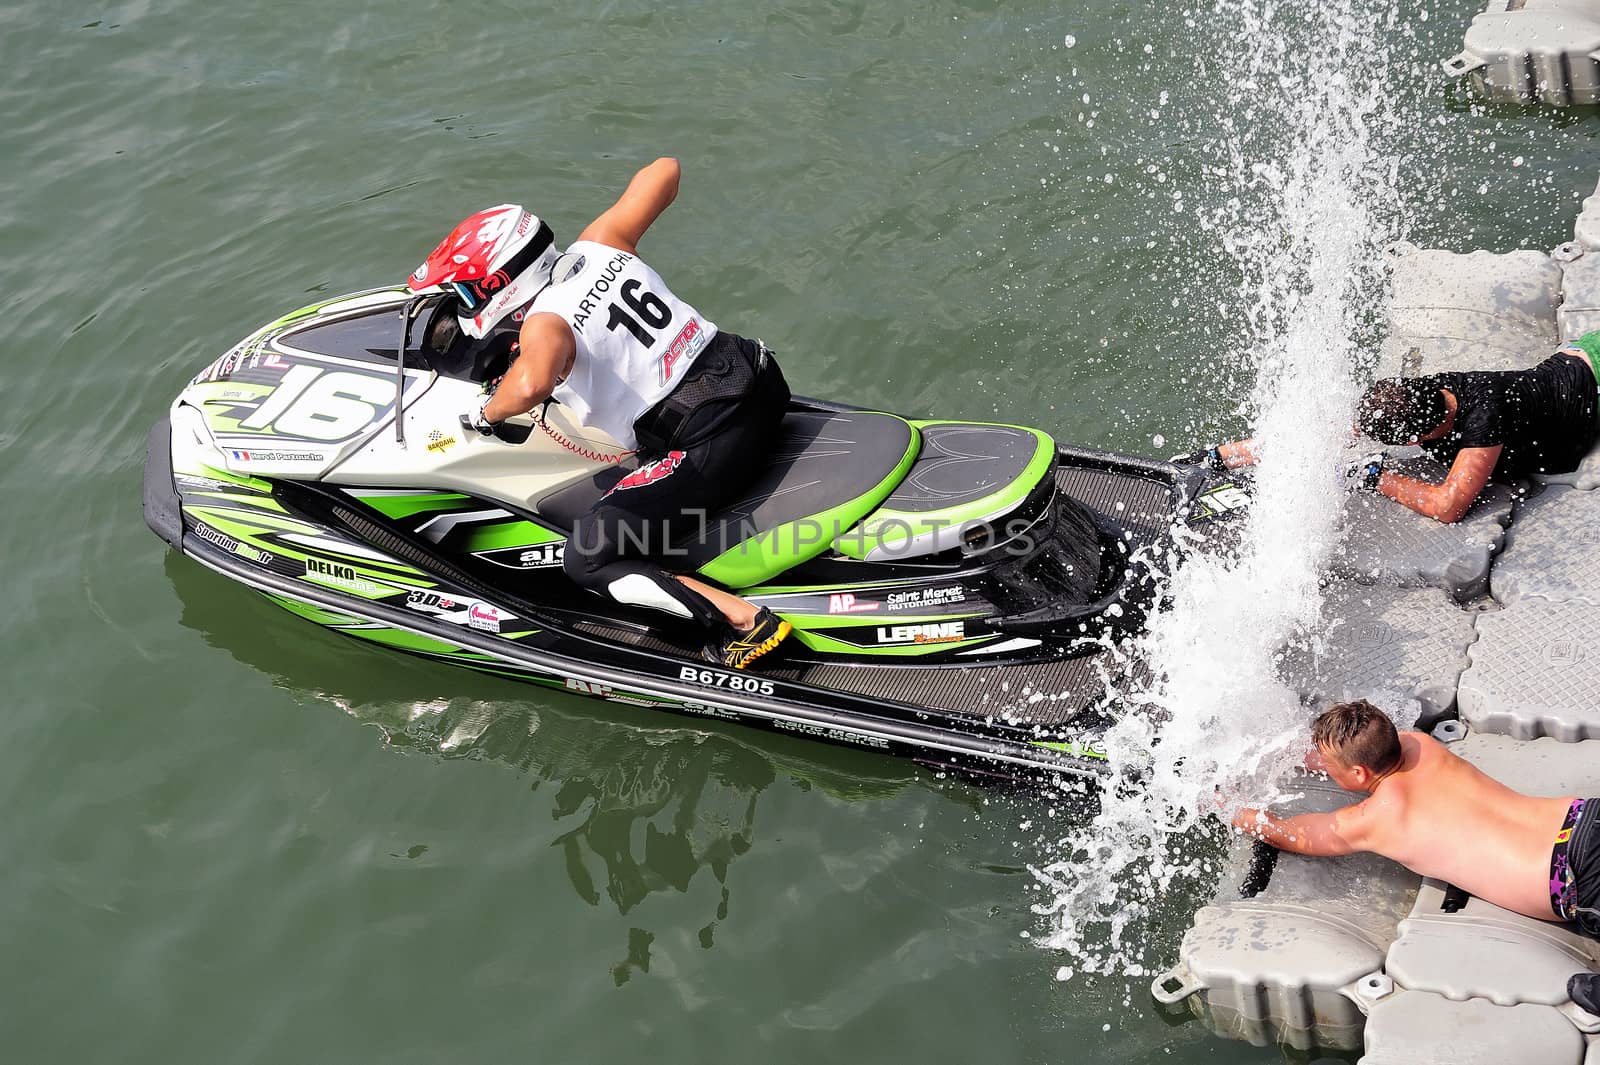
[[827, 473], [967, 476]]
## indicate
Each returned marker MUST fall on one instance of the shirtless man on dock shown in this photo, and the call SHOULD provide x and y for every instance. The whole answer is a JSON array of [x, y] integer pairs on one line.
[[1441, 817]]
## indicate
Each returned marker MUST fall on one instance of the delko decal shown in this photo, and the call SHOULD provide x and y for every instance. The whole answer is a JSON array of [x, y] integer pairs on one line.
[[658, 470], [943, 632], [189, 482], [326, 572], [711, 678], [486, 617], [846, 603]]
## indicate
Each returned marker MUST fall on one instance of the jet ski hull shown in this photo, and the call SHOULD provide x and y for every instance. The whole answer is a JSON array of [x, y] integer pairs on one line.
[[1022, 719], [958, 590]]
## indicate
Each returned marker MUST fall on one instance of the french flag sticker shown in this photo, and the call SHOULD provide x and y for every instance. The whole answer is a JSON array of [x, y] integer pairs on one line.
[[241, 456]]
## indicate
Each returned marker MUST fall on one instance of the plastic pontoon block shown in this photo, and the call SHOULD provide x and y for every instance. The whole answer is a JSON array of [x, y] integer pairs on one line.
[[1474, 311], [1391, 645], [1527, 50], [1552, 551]]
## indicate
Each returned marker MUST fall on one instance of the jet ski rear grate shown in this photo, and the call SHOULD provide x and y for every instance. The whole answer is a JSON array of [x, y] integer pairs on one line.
[[1043, 694], [1145, 503]]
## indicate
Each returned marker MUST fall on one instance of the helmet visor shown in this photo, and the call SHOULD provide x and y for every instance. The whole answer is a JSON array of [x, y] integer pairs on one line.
[[471, 294]]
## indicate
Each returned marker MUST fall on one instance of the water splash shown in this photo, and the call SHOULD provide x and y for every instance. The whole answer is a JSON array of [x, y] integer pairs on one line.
[[1298, 194]]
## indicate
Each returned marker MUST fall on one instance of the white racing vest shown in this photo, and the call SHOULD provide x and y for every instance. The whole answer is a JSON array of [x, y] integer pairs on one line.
[[635, 339]]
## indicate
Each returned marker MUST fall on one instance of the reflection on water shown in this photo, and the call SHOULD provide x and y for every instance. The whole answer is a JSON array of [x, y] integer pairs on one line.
[[644, 804], [644, 809], [697, 805]]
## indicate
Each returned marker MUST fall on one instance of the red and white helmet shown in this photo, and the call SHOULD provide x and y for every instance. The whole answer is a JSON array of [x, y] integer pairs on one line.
[[495, 262]]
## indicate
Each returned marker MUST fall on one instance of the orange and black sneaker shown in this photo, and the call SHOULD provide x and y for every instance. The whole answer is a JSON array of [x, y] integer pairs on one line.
[[739, 649]]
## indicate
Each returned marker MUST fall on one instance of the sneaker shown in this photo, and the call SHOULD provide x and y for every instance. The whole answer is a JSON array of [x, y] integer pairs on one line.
[[739, 649], [1584, 989]]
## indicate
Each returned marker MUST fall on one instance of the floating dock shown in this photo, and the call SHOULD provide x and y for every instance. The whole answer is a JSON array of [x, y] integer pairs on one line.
[[1533, 51], [1483, 632]]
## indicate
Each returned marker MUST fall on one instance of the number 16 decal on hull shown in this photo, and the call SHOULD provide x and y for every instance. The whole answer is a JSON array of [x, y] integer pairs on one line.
[[294, 401]]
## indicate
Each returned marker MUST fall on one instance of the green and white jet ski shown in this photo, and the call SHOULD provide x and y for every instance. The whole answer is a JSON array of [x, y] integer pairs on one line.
[[956, 588]]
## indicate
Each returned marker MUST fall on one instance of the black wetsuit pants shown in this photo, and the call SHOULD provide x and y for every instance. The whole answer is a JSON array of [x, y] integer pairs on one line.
[[699, 453]]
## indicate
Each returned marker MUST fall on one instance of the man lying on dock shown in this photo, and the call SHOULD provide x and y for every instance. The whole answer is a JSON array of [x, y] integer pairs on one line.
[[1501, 423], [1441, 817]]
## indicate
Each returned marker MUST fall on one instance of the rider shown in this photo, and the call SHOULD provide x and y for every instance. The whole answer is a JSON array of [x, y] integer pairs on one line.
[[602, 333], [1506, 422]]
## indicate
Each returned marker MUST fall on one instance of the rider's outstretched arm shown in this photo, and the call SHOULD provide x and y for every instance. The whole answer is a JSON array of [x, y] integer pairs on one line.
[[1450, 501], [650, 192], [1229, 456], [1322, 835], [1239, 453]]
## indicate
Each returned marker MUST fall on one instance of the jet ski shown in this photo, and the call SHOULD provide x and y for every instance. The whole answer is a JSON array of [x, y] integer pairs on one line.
[[957, 589]]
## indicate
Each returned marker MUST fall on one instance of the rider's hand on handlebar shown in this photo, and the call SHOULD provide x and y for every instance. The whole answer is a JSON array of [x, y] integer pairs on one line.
[[1208, 457], [476, 419]]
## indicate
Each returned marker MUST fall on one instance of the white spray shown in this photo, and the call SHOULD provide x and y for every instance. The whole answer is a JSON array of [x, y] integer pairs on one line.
[[1299, 195]]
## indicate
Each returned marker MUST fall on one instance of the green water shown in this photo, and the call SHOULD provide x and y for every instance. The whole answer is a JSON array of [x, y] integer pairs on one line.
[[231, 837]]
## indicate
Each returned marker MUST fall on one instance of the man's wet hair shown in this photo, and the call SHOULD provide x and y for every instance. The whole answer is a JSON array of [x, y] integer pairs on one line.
[[1398, 410], [1358, 733]]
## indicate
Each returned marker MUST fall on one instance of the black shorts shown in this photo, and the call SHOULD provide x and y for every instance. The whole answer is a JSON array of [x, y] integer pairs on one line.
[[1575, 867], [734, 380], [707, 452], [1562, 390]]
